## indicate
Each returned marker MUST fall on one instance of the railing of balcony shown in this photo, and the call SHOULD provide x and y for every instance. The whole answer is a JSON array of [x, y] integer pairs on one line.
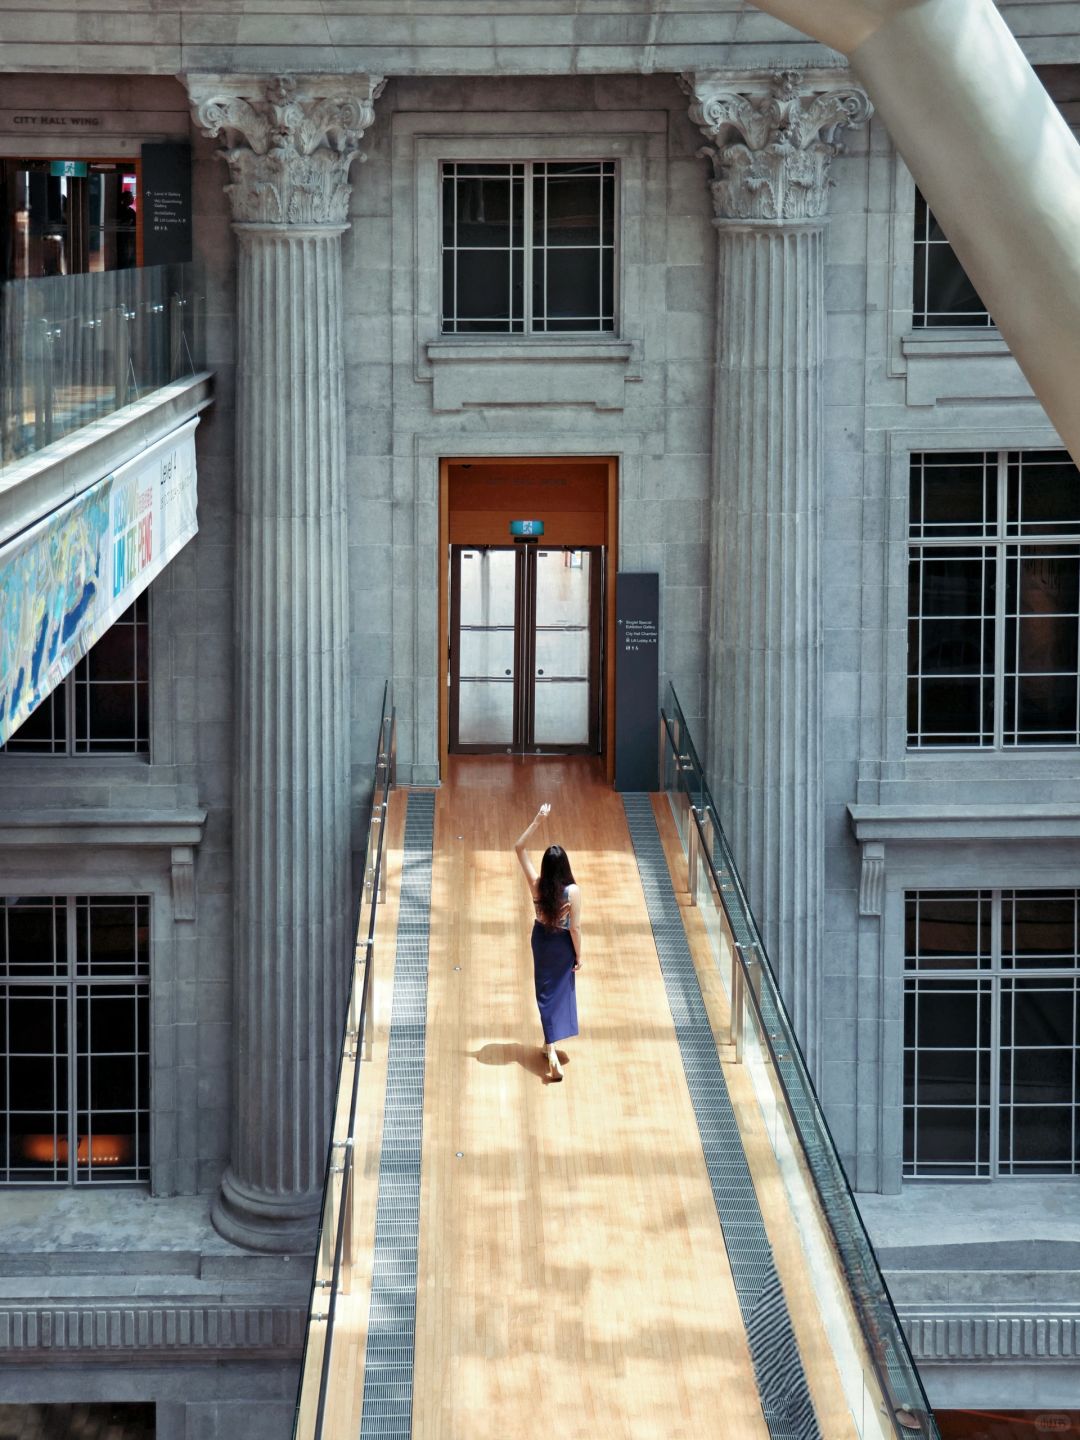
[[74, 348], [334, 1254], [876, 1368]]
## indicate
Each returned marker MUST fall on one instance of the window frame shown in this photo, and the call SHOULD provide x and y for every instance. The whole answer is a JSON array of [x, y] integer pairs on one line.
[[530, 246], [1004, 544], [991, 977], [66, 694], [923, 319], [71, 983]]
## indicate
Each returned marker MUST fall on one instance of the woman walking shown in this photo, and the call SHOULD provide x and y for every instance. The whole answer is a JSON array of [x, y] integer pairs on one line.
[[556, 941]]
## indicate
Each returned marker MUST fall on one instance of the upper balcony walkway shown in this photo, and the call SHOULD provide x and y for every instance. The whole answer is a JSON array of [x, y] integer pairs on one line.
[[100, 394], [580, 1259]]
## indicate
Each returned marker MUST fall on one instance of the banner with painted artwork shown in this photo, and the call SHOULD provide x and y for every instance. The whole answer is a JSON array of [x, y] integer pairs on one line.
[[65, 580]]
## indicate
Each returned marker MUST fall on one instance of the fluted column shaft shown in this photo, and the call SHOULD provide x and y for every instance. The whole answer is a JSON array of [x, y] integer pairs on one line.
[[291, 805], [289, 142], [773, 138], [765, 623]]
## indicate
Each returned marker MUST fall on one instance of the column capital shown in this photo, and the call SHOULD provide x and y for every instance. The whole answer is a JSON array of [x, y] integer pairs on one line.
[[288, 140], [772, 140]]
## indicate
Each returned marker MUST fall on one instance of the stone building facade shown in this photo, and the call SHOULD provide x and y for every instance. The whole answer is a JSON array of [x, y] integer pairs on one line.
[[762, 392]]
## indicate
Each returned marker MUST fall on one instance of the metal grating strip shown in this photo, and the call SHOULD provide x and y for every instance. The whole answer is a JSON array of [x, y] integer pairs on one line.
[[785, 1397], [391, 1336]]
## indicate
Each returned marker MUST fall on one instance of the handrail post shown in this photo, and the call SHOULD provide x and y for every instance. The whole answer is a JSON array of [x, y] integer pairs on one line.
[[347, 1201], [692, 855], [369, 1008], [738, 1006]]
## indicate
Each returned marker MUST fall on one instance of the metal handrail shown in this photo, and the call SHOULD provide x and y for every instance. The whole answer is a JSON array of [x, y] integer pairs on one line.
[[674, 730], [355, 1030]]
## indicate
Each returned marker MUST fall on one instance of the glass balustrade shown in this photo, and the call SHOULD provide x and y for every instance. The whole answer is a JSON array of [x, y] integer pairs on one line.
[[335, 1251], [877, 1371], [74, 348]]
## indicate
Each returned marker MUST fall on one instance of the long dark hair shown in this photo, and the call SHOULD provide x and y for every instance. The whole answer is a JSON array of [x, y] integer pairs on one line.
[[555, 875]]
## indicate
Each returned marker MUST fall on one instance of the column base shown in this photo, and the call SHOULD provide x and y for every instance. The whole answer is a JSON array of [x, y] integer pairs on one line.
[[280, 1226]]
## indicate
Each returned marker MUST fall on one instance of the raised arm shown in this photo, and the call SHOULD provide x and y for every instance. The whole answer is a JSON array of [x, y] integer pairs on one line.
[[522, 854]]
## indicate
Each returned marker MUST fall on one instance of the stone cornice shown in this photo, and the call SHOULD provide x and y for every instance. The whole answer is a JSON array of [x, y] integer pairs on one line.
[[110, 1330], [288, 140], [772, 141], [155, 829], [920, 823], [959, 1336]]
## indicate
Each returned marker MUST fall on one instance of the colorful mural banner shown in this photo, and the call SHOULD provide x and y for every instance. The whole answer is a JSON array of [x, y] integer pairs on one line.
[[66, 579]]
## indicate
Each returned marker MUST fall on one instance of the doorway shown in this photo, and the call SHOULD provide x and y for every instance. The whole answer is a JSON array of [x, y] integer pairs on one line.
[[526, 640], [542, 610]]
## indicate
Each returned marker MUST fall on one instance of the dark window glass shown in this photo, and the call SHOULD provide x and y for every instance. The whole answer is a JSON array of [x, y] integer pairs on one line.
[[563, 214], [1043, 493], [107, 695], [950, 1032], [953, 495], [943, 294], [1039, 929], [91, 1033], [962, 596]]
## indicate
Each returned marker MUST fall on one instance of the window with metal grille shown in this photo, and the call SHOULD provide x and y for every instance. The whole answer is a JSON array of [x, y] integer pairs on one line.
[[75, 1012], [991, 1033], [103, 706], [943, 293], [994, 599], [528, 247]]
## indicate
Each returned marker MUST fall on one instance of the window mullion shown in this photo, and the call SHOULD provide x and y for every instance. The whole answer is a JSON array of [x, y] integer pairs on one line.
[[995, 1032], [1000, 586], [529, 213], [71, 950]]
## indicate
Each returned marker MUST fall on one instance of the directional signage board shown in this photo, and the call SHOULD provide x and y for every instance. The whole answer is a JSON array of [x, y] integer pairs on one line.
[[637, 680]]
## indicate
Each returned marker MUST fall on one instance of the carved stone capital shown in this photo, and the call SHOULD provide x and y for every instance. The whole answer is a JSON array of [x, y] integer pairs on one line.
[[288, 140], [772, 140]]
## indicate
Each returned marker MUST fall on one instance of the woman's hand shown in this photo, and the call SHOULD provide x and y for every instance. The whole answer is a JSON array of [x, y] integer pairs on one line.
[[544, 811]]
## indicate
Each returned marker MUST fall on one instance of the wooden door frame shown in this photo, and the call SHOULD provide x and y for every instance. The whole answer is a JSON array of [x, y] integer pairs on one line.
[[610, 570]]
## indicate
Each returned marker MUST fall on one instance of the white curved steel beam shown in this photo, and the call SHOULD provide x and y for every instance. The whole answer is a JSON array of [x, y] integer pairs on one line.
[[992, 154]]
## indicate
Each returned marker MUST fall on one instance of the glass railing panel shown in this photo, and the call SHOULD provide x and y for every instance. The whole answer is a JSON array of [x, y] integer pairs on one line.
[[880, 1376], [334, 1255], [74, 348]]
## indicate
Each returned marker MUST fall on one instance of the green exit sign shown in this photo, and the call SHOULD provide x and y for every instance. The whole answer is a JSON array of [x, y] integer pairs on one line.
[[521, 528], [73, 169]]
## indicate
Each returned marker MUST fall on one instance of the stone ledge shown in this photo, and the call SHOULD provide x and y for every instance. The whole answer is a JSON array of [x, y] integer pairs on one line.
[[960, 340], [105, 1331], [964, 822], [531, 372], [157, 829], [963, 1336]]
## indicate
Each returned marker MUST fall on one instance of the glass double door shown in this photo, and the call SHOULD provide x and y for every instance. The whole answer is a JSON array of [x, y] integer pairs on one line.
[[525, 668]]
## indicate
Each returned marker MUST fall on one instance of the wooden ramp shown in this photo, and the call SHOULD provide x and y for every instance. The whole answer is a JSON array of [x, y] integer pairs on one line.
[[573, 1280]]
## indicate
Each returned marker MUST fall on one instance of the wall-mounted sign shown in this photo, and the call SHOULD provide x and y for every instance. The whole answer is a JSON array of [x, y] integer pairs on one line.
[[166, 204], [523, 529], [637, 680], [72, 169], [65, 580], [39, 120]]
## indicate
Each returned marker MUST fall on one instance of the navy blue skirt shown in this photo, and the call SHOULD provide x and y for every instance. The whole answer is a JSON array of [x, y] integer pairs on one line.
[[553, 973]]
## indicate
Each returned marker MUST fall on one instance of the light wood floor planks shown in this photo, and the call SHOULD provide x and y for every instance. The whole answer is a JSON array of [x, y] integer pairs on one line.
[[573, 1280]]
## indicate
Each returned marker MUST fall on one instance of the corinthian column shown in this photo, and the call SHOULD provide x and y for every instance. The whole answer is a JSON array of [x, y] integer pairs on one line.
[[288, 142], [772, 140]]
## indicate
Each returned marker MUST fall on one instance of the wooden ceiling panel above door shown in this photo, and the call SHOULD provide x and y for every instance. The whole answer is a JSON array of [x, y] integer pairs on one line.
[[570, 496]]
